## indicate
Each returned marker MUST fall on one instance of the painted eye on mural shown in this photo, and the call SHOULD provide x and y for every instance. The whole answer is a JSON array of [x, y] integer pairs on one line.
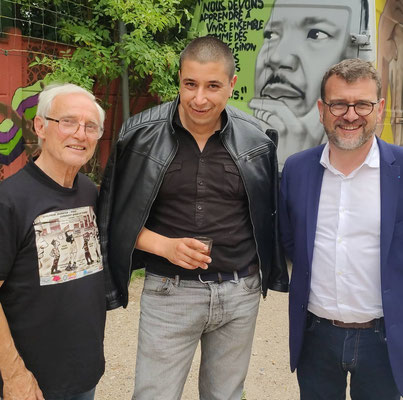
[[317, 34], [271, 35]]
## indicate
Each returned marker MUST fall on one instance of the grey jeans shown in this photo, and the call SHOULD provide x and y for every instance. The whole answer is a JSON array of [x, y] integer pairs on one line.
[[175, 315]]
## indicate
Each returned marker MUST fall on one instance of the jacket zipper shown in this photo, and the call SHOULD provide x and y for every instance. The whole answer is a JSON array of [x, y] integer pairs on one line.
[[147, 213], [250, 212]]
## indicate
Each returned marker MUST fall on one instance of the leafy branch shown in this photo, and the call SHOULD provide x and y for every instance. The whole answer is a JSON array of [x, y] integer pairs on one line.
[[150, 50]]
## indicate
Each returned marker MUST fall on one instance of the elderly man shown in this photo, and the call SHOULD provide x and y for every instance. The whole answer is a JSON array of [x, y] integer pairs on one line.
[[194, 167], [341, 214], [301, 40], [52, 304]]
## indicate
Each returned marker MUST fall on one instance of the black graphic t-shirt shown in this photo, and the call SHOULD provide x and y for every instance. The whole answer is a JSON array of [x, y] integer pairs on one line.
[[53, 294]]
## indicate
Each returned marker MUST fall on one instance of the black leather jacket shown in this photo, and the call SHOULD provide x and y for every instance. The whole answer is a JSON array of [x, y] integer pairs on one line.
[[134, 173]]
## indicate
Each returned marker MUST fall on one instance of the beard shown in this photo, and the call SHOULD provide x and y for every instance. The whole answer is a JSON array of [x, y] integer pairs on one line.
[[354, 141]]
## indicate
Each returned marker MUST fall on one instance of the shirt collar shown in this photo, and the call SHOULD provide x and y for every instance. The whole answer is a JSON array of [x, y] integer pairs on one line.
[[372, 159]]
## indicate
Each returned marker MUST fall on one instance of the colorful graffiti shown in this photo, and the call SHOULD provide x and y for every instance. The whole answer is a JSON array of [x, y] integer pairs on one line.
[[239, 23], [390, 66], [17, 129], [283, 47]]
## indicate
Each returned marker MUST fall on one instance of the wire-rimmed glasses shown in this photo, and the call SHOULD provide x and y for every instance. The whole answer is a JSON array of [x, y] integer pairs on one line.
[[69, 126]]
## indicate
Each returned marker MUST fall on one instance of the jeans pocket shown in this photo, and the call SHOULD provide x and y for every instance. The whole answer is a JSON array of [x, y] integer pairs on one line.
[[251, 283], [158, 286], [381, 332], [311, 322]]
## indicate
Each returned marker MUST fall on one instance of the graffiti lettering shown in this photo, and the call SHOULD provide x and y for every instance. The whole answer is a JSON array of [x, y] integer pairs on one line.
[[239, 36], [224, 36], [238, 95], [232, 22], [253, 25], [245, 4], [214, 6], [217, 27], [244, 47], [220, 16]]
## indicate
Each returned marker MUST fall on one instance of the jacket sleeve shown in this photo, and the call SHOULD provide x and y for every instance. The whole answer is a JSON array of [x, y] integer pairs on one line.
[[105, 202], [278, 278]]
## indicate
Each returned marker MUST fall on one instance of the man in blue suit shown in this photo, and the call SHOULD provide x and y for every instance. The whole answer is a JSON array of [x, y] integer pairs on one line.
[[341, 218]]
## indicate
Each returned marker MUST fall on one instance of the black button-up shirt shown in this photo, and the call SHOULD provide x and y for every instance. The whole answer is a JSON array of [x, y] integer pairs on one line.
[[202, 194]]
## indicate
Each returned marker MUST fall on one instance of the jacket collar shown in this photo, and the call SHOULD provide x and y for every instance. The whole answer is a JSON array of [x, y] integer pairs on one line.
[[174, 107]]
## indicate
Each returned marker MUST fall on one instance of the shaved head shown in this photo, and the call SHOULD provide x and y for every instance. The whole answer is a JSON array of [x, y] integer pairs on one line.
[[209, 49]]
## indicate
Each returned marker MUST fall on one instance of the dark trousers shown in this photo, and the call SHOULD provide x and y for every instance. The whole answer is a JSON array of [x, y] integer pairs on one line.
[[330, 352], [90, 395]]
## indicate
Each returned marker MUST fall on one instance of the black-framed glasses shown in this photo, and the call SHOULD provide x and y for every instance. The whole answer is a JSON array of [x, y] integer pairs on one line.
[[69, 126], [361, 108]]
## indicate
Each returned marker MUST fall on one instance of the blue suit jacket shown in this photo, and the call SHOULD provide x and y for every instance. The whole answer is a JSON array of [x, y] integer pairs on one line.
[[299, 202]]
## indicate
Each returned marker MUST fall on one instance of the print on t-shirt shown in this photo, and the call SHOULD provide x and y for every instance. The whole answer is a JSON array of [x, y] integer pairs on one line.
[[67, 243]]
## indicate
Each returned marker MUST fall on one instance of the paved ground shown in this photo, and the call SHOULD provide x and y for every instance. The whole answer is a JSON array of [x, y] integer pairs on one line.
[[269, 377]]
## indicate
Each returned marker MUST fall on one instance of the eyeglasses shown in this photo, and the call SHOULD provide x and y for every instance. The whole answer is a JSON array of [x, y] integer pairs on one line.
[[69, 126], [362, 108]]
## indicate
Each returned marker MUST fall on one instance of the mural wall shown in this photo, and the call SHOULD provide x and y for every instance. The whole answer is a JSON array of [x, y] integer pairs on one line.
[[16, 127], [390, 66], [239, 23], [283, 47], [19, 89]]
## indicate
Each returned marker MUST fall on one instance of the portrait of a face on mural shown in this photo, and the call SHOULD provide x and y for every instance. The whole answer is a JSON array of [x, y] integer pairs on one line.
[[300, 42]]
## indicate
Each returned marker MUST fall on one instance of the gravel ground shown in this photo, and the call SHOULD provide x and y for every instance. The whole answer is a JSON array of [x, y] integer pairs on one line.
[[269, 376]]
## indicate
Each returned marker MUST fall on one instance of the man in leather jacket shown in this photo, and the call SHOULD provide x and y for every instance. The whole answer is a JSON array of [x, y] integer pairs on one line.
[[188, 168]]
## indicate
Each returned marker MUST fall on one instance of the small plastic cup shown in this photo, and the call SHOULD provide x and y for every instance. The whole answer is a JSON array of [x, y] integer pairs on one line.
[[207, 241]]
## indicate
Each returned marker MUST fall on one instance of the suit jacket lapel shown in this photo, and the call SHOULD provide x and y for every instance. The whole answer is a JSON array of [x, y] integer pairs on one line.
[[390, 181]]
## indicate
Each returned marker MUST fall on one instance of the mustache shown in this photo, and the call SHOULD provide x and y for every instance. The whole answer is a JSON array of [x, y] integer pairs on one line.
[[277, 78]]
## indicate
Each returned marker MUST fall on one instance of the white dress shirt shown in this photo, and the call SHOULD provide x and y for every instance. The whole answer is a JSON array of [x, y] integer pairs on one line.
[[346, 276]]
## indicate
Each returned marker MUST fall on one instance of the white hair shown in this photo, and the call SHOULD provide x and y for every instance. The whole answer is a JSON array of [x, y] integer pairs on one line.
[[48, 94]]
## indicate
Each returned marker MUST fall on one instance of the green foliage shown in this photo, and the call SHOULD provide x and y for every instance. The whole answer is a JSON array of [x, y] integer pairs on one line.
[[138, 273], [156, 61], [150, 50]]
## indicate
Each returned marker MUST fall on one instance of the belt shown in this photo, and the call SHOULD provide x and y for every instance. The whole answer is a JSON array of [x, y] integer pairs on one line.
[[354, 325], [223, 276], [228, 276], [348, 325]]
